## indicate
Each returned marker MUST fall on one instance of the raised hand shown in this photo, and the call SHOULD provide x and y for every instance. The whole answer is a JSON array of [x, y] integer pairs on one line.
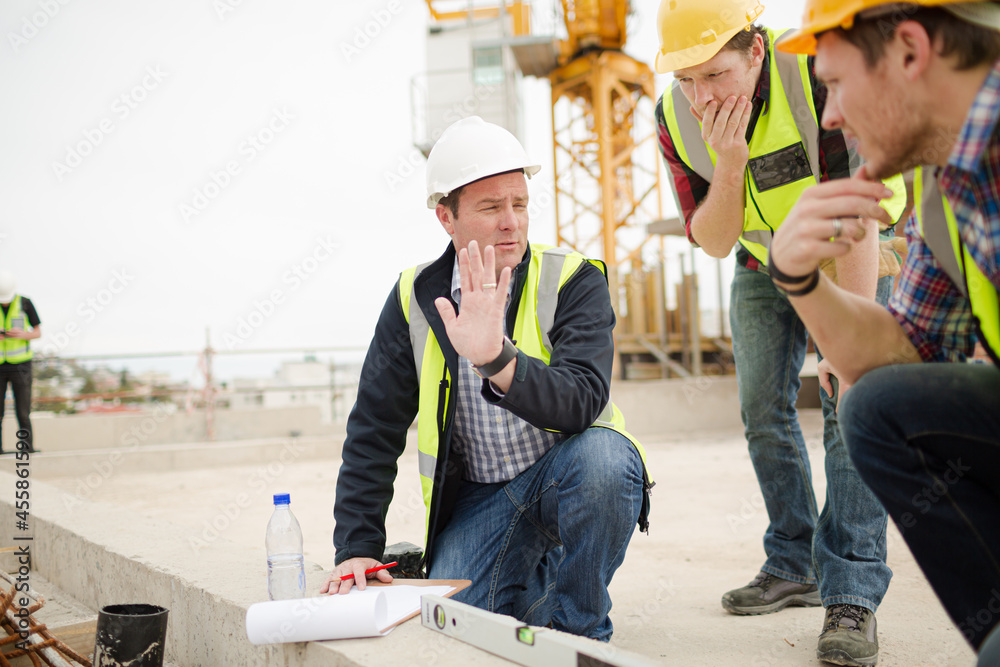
[[477, 331]]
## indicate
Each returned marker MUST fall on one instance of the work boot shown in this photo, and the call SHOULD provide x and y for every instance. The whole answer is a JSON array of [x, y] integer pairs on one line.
[[849, 636], [767, 594]]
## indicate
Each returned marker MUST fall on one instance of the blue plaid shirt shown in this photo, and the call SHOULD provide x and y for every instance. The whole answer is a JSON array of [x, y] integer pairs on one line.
[[927, 304], [497, 446]]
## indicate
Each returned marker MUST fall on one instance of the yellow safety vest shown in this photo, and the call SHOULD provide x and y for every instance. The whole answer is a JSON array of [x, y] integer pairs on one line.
[[16, 350], [548, 270], [784, 149], [939, 229]]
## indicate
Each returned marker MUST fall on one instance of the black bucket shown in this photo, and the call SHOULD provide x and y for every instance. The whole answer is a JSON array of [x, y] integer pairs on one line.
[[132, 634]]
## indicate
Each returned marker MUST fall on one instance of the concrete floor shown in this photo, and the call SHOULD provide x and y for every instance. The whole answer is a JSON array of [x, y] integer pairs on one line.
[[705, 538]]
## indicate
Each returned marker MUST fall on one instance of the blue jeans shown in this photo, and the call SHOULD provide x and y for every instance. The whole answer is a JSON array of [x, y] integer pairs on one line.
[[926, 439], [843, 549], [574, 511]]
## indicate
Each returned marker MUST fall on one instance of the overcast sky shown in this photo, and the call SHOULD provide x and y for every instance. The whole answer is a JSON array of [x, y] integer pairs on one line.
[[175, 167]]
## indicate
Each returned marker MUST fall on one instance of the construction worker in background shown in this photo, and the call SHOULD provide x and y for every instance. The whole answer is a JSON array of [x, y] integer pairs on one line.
[[20, 325], [924, 436], [505, 351], [739, 132]]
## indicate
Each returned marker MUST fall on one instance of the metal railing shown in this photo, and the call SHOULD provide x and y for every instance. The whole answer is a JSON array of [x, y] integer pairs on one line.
[[212, 394]]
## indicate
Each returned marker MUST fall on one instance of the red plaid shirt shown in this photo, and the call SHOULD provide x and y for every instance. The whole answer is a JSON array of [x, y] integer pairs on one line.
[[691, 189]]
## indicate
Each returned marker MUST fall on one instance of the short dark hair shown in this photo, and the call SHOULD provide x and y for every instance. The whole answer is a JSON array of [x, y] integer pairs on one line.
[[451, 200], [971, 44], [743, 40]]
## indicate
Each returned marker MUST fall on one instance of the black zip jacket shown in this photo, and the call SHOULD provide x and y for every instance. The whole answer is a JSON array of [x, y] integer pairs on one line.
[[566, 395]]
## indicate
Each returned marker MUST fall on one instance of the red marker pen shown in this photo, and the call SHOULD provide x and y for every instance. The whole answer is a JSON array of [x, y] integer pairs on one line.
[[367, 572]]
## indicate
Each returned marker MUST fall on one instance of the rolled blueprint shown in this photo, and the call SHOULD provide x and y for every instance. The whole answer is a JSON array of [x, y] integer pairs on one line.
[[360, 614]]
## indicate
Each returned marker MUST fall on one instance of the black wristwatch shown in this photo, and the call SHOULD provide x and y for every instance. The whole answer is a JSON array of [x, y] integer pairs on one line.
[[492, 368]]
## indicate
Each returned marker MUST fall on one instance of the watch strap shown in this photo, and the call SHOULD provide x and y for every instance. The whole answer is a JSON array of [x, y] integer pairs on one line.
[[492, 368]]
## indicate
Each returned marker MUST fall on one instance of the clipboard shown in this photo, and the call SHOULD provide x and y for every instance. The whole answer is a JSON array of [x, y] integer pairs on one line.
[[459, 584]]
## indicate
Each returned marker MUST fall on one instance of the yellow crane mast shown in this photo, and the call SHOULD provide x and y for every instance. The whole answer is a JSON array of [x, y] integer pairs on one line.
[[607, 175]]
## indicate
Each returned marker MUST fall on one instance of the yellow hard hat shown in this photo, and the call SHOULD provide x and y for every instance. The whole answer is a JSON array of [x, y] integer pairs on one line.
[[822, 15], [692, 31]]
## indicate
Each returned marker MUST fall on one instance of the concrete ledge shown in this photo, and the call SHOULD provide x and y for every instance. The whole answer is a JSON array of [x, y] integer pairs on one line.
[[665, 409], [661, 409], [158, 426], [93, 466], [95, 553]]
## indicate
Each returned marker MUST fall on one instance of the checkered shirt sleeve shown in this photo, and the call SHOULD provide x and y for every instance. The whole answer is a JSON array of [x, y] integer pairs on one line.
[[927, 304]]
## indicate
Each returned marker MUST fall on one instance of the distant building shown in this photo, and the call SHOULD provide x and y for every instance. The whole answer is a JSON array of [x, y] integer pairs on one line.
[[470, 71], [60, 386], [105, 379], [345, 385], [307, 382], [152, 379]]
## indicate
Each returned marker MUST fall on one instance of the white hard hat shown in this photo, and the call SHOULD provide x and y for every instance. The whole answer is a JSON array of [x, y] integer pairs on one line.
[[471, 149], [7, 286]]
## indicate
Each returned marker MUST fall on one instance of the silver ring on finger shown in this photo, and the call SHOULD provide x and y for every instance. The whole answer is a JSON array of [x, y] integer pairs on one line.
[[838, 228], [489, 285]]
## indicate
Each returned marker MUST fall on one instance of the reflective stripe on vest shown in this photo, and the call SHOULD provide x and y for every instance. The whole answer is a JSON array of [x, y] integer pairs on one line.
[[548, 270], [939, 229], [430, 366], [16, 350], [790, 119], [793, 74]]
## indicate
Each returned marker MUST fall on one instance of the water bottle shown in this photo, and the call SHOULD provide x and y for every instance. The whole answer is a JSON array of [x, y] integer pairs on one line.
[[286, 575]]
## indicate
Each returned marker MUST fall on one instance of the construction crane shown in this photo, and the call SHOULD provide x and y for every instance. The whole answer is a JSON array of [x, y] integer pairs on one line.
[[443, 11], [607, 175], [603, 138]]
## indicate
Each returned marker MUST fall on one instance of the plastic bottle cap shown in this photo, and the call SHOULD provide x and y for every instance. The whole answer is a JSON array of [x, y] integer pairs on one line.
[[282, 499]]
